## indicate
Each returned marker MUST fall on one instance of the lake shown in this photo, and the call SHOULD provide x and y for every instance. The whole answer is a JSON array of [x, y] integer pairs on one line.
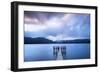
[[45, 52]]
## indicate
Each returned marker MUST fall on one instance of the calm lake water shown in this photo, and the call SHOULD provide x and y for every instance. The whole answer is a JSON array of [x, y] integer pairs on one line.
[[44, 52]]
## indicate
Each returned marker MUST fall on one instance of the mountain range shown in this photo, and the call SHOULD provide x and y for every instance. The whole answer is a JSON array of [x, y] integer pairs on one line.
[[41, 40]]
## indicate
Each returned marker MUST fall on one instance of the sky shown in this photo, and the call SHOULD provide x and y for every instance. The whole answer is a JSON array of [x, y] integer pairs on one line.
[[56, 25]]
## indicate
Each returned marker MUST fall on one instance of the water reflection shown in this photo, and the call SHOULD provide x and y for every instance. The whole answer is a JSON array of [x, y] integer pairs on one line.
[[47, 52], [59, 52]]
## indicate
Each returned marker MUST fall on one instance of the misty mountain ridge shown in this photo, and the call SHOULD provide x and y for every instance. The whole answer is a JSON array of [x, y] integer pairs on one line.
[[42, 40]]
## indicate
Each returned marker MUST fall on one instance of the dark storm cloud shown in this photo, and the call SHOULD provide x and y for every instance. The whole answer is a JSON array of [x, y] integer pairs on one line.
[[33, 17]]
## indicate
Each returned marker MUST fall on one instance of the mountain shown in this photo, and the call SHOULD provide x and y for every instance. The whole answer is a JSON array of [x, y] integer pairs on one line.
[[76, 41], [38, 40], [41, 40]]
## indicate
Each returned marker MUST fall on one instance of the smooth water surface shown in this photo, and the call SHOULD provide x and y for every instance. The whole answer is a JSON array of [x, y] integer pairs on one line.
[[44, 52]]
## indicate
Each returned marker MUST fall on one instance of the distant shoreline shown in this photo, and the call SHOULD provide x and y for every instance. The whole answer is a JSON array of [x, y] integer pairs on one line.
[[40, 40]]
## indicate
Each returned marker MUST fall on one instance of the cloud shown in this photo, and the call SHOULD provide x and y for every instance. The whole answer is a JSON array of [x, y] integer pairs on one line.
[[33, 24], [28, 20], [57, 26], [34, 28], [55, 38], [62, 37]]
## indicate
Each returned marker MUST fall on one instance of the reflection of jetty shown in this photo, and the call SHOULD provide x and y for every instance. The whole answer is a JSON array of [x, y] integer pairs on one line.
[[59, 52]]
